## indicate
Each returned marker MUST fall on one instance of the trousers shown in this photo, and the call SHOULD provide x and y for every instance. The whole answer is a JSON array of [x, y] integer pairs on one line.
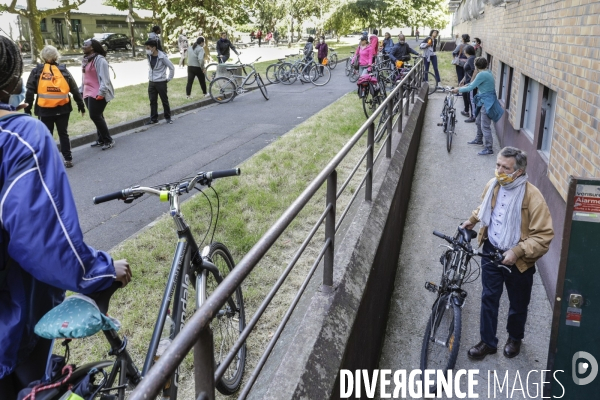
[[518, 287], [484, 128], [96, 110], [193, 73], [61, 121], [156, 89]]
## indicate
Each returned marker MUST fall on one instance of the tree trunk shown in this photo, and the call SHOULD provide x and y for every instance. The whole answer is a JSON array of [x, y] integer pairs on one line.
[[292, 31], [37, 39], [412, 31], [68, 29]]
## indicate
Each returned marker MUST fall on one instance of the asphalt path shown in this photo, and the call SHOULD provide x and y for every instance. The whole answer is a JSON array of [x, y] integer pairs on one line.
[[219, 136]]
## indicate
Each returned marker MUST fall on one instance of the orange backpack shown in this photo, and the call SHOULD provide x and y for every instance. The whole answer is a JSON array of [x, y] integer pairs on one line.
[[53, 88]]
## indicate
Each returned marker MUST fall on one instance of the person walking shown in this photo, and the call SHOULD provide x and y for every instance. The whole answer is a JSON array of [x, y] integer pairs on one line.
[[374, 43], [196, 68], [223, 46], [322, 52], [460, 58], [269, 38], [42, 246], [252, 36], [469, 76], [158, 63], [417, 35], [97, 89], [54, 85], [259, 37], [478, 47], [365, 55], [429, 45], [388, 43], [155, 35], [488, 108], [516, 222], [182, 42]]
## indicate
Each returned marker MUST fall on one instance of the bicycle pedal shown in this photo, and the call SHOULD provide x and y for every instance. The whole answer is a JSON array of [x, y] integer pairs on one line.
[[432, 287]]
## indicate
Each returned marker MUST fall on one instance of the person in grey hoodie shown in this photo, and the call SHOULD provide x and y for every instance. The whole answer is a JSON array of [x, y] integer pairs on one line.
[[196, 68], [155, 35], [158, 63], [97, 89]]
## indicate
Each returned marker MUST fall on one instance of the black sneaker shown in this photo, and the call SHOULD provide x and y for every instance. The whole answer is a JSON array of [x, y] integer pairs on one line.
[[109, 145], [465, 113], [470, 120], [97, 143], [169, 121], [151, 122], [485, 152]]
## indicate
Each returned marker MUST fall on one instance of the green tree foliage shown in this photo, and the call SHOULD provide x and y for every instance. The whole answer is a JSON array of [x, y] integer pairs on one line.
[[35, 16]]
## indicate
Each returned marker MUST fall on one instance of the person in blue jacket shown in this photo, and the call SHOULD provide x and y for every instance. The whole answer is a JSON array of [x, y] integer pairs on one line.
[[388, 43], [487, 107], [42, 252]]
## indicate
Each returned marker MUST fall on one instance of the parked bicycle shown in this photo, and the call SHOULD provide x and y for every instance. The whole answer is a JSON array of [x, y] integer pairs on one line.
[[247, 69], [224, 88], [448, 116], [193, 274], [441, 341], [332, 56], [273, 69]]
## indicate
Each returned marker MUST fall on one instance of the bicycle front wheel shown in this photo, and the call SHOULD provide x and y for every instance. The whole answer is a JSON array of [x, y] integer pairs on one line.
[[348, 68], [333, 61], [222, 90], [252, 73], [320, 75], [353, 75], [262, 87], [432, 83], [450, 123], [370, 103], [442, 335], [228, 324], [286, 74], [211, 71]]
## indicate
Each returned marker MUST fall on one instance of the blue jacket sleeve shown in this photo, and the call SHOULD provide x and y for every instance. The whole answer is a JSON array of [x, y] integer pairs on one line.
[[38, 213]]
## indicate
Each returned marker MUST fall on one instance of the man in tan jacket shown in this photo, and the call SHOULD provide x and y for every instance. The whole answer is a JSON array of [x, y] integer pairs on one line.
[[517, 223]]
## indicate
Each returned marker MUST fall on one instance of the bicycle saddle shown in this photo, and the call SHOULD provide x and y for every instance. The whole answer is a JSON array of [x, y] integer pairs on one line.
[[467, 234]]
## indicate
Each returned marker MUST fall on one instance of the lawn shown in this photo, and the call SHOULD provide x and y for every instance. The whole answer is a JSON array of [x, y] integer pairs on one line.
[[250, 204]]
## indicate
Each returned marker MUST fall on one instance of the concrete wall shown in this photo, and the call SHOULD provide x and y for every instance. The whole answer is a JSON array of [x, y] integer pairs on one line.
[[556, 44], [345, 329]]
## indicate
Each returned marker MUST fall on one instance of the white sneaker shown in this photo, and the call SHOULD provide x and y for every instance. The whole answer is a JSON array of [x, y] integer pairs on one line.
[[188, 97], [207, 95]]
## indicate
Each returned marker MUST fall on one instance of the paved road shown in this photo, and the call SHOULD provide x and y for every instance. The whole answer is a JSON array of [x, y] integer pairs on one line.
[[215, 137], [446, 189]]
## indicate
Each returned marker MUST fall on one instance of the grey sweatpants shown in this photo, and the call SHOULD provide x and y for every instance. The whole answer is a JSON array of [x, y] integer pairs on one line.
[[484, 128]]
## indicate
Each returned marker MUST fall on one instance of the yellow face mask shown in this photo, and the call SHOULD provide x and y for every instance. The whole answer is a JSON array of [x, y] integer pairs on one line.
[[505, 179]]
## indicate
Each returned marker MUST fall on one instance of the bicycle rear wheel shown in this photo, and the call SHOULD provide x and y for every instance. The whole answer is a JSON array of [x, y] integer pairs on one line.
[[320, 75], [370, 103], [450, 123], [228, 323], [353, 75], [286, 74], [251, 72], [222, 90], [441, 341], [333, 61], [262, 87], [211, 72], [272, 73]]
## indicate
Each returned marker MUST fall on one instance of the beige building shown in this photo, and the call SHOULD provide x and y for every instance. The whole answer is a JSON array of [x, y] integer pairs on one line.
[[90, 18], [545, 56]]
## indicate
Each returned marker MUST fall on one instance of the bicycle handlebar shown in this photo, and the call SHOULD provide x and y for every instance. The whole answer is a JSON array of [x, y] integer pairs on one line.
[[131, 193], [495, 257]]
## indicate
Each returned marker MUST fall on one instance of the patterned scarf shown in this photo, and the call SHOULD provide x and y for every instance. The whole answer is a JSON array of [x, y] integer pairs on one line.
[[511, 230], [86, 60]]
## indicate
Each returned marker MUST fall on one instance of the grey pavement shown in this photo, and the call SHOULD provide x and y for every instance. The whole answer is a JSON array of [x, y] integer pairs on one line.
[[446, 188], [215, 137]]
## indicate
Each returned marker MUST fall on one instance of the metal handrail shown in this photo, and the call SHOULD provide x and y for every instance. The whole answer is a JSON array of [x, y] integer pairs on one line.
[[200, 320]]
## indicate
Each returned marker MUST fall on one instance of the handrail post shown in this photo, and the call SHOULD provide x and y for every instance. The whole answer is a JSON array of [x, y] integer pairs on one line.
[[390, 126], [407, 107], [370, 151], [413, 85], [400, 107], [330, 232], [204, 365]]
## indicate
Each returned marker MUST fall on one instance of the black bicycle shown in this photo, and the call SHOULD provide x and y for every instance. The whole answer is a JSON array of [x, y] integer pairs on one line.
[[448, 116], [441, 341], [193, 274]]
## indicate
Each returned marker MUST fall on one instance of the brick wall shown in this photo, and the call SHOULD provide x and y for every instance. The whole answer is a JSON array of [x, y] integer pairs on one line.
[[556, 43]]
